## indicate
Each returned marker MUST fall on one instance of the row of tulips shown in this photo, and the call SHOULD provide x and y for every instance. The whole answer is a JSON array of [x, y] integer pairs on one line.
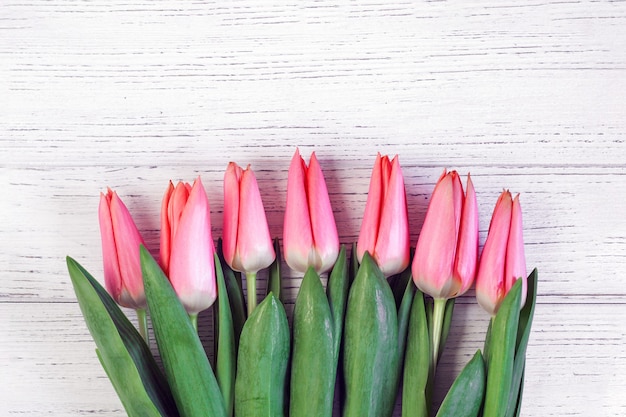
[[369, 329]]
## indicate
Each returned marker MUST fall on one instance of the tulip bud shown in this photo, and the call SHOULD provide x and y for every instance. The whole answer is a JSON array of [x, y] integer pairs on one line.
[[120, 252], [247, 245], [309, 234], [502, 261], [187, 246], [385, 228], [447, 249]]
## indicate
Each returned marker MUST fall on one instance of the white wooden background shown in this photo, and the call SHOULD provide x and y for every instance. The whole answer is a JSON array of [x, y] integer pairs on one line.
[[526, 95]]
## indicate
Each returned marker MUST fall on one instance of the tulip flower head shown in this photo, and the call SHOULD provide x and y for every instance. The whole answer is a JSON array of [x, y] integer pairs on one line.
[[120, 252], [187, 245], [385, 227], [445, 259], [503, 260], [247, 245], [309, 234]]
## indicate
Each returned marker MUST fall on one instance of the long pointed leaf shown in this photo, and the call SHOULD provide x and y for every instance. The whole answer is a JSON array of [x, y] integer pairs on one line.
[[445, 329], [353, 269], [274, 281], [502, 353], [313, 365], [467, 392], [523, 334], [226, 360], [370, 344], [262, 361], [518, 407], [416, 390], [337, 293], [404, 315], [236, 298], [354, 264], [125, 357], [404, 304], [187, 368]]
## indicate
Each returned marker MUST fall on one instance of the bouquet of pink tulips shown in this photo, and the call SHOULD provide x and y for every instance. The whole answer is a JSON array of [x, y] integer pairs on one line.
[[368, 329]]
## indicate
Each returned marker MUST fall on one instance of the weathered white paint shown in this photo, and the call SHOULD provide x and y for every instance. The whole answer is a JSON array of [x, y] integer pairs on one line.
[[129, 94]]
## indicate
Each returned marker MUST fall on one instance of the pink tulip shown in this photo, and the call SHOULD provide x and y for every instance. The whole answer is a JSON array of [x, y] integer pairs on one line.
[[447, 249], [502, 261], [385, 227], [187, 246], [120, 252], [248, 245], [309, 235]]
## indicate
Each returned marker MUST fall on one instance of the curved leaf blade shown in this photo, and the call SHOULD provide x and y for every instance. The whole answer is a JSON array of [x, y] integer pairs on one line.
[[313, 363], [262, 361], [187, 368], [226, 360], [466, 394], [125, 357]]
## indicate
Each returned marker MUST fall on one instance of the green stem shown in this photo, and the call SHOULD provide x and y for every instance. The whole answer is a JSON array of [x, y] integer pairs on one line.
[[142, 319], [194, 321], [438, 315], [251, 288]]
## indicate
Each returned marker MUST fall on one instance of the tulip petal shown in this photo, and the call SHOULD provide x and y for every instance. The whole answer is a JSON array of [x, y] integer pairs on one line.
[[297, 234], [177, 205], [231, 213], [436, 246], [254, 242], [392, 245], [457, 201], [325, 237], [385, 174], [112, 276], [467, 251], [515, 266], [127, 241], [166, 232], [373, 207], [490, 285], [192, 271]]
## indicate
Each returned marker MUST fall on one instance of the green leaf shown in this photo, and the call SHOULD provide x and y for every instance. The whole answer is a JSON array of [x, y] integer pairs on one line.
[[313, 363], [404, 315], [226, 361], [523, 334], [124, 355], [447, 321], [502, 353], [262, 361], [467, 392], [518, 407], [236, 298], [274, 283], [370, 344], [337, 292], [353, 269], [404, 301], [354, 264], [418, 372], [187, 368]]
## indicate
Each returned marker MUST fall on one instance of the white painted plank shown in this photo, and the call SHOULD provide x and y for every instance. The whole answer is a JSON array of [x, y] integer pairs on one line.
[[527, 83]]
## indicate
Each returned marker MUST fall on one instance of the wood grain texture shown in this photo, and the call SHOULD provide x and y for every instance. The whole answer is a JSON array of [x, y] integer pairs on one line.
[[130, 94]]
